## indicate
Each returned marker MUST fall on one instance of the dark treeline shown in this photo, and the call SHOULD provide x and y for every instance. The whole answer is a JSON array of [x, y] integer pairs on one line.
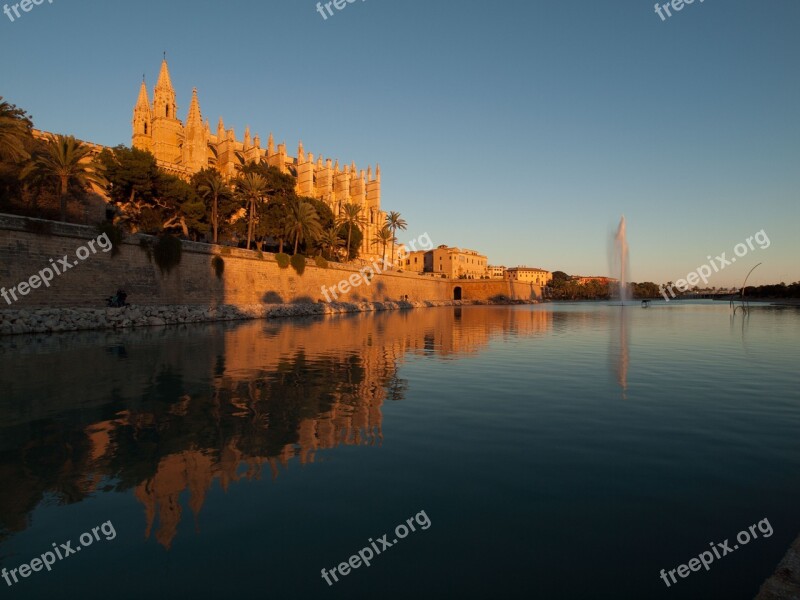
[[780, 290], [565, 287]]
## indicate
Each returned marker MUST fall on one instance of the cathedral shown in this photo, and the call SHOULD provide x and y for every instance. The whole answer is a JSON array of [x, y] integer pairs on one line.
[[183, 149]]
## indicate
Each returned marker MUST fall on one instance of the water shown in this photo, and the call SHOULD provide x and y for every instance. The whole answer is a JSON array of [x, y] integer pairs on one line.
[[559, 451]]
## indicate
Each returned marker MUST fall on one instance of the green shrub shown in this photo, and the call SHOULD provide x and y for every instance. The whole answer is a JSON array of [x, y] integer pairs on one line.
[[114, 234], [298, 263], [283, 260], [219, 266], [321, 262], [260, 254], [38, 227], [167, 252]]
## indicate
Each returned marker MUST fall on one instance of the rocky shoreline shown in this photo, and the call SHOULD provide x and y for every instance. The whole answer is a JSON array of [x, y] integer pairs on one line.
[[55, 320], [785, 582]]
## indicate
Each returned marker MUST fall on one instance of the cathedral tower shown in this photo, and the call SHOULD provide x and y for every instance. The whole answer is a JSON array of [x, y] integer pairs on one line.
[[167, 129], [195, 142], [143, 121]]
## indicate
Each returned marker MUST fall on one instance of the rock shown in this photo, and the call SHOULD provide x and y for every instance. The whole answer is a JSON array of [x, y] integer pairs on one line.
[[67, 319]]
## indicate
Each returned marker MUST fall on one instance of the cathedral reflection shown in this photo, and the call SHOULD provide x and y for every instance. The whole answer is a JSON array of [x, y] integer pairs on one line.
[[158, 413]]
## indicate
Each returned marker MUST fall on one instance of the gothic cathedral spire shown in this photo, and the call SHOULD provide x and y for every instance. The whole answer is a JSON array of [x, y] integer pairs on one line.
[[143, 121], [167, 128], [195, 138], [164, 105]]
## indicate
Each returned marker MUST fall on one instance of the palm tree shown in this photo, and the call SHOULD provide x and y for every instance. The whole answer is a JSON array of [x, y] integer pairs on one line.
[[14, 132], [69, 161], [252, 188], [384, 236], [302, 223], [394, 221], [351, 215], [214, 186], [330, 240]]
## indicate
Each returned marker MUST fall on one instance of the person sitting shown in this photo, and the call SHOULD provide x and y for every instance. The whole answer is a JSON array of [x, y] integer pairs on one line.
[[118, 299]]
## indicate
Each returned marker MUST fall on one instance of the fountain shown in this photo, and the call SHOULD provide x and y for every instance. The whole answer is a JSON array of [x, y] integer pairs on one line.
[[620, 262], [619, 266]]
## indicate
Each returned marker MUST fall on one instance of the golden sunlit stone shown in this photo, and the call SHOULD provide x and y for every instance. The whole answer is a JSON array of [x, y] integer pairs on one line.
[[184, 149]]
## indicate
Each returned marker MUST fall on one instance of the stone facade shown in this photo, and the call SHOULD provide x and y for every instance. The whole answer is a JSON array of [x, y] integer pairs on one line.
[[497, 271], [494, 290], [249, 277], [529, 275], [451, 262], [185, 148]]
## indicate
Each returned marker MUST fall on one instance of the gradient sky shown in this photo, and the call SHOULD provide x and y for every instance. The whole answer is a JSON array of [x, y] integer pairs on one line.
[[522, 129]]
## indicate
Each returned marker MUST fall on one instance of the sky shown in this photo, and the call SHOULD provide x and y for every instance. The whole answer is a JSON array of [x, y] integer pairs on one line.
[[521, 129]]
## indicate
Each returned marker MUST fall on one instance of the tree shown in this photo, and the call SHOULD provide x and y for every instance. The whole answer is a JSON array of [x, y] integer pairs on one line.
[[647, 289], [355, 243], [69, 162], [279, 193], [184, 210], [132, 175], [351, 217], [394, 221], [331, 240], [16, 141], [212, 186], [384, 236], [15, 133], [279, 184], [148, 199], [326, 218], [252, 188], [303, 223], [276, 217]]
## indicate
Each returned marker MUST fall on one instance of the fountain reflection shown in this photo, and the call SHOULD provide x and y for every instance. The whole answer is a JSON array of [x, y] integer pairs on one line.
[[619, 350]]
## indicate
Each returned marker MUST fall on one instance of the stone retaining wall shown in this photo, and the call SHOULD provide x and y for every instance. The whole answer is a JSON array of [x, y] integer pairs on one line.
[[55, 320], [249, 277]]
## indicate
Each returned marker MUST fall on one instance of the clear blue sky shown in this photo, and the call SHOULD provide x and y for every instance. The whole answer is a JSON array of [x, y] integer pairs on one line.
[[522, 129]]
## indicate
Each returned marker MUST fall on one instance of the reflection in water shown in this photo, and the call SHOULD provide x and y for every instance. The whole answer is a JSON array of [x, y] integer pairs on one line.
[[619, 349], [161, 412], [740, 324]]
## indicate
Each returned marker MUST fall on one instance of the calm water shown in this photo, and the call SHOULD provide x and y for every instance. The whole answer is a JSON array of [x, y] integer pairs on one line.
[[567, 451]]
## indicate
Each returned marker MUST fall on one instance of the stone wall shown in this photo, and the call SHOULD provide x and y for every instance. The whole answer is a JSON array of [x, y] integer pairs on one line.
[[249, 277], [488, 289]]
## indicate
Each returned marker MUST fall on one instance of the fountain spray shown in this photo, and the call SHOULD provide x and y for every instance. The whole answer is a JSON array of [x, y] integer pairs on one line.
[[621, 255]]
